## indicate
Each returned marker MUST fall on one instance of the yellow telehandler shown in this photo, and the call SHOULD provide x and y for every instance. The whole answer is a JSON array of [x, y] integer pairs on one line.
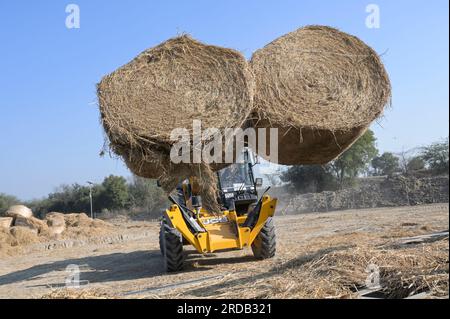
[[245, 220]]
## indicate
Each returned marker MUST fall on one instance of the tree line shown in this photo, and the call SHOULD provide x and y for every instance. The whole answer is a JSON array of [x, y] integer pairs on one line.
[[363, 159], [114, 195]]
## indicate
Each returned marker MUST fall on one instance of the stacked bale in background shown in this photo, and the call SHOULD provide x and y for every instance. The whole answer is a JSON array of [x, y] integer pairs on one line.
[[6, 222], [321, 88], [166, 87], [22, 217], [19, 210]]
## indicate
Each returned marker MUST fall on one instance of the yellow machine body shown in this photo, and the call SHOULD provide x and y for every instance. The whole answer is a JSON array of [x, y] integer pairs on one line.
[[223, 231]]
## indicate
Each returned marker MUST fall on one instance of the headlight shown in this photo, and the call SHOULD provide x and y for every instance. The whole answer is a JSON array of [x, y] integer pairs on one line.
[[229, 195]]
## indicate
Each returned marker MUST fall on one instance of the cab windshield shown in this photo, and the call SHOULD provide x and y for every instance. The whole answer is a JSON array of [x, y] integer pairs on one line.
[[234, 176]]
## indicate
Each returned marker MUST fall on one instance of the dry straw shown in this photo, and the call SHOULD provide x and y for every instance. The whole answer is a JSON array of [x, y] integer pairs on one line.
[[169, 86], [322, 88]]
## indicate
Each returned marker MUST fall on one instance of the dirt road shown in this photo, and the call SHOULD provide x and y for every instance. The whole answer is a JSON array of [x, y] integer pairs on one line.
[[133, 268]]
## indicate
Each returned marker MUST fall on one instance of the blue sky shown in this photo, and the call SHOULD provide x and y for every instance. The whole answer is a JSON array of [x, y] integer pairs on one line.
[[49, 122]]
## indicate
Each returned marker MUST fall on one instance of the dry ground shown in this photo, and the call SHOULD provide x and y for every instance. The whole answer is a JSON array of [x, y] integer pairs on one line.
[[320, 255]]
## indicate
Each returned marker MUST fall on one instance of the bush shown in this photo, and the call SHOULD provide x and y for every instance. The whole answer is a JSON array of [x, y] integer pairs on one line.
[[114, 193], [7, 201], [435, 157], [415, 164], [310, 179], [386, 164], [355, 160], [147, 196], [113, 196]]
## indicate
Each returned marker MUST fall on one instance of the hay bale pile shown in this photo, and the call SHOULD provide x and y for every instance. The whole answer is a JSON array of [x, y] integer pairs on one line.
[[21, 231], [82, 226], [321, 88]]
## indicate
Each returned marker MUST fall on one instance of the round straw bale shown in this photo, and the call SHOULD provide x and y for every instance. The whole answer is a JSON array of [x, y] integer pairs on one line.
[[168, 87], [19, 210], [171, 85], [322, 88]]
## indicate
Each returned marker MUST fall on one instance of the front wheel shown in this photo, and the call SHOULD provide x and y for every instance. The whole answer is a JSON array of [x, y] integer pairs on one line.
[[171, 246], [264, 245]]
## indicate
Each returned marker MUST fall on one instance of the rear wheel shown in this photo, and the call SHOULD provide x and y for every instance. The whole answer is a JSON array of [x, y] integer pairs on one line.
[[264, 245], [171, 246]]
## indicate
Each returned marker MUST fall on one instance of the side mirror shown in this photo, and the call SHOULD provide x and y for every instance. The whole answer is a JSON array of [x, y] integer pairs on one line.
[[158, 183], [258, 182]]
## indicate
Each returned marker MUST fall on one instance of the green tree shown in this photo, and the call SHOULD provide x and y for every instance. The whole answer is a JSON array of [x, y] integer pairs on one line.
[[356, 159], [314, 178], [7, 201], [68, 199], [146, 195], [415, 163], [436, 157], [115, 193], [386, 164]]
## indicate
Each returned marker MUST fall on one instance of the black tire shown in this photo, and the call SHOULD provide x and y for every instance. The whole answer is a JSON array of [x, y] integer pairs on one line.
[[171, 245], [264, 245], [161, 238]]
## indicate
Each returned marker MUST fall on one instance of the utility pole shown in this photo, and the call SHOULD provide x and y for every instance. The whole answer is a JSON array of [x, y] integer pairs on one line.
[[90, 197]]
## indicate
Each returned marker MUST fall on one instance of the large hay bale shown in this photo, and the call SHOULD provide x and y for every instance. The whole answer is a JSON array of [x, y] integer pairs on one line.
[[322, 88], [19, 210], [167, 87]]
